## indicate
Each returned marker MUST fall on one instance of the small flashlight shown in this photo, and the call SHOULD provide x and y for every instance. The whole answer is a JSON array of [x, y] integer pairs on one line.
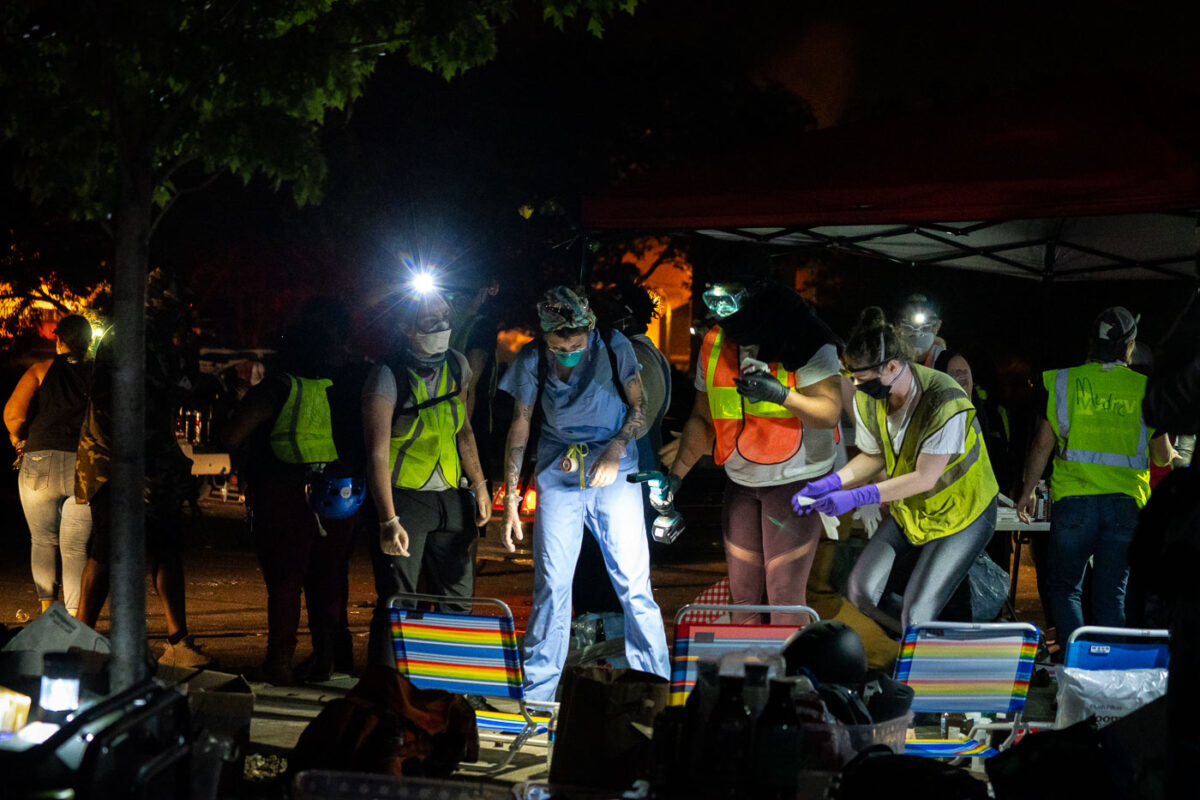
[[919, 318]]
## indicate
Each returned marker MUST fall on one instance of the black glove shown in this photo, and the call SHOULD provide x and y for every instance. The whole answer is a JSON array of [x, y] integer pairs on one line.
[[761, 387]]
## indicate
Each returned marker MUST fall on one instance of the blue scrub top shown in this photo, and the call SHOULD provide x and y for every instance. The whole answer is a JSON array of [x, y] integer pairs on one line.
[[584, 409]]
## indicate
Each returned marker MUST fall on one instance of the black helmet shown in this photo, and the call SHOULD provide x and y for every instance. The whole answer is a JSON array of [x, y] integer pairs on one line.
[[830, 650]]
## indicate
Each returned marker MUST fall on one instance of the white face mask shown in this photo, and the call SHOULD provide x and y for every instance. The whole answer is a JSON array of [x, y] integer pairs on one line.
[[920, 341], [430, 344]]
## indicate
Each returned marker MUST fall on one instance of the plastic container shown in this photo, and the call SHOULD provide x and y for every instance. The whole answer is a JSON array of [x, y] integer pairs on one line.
[[830, 746]]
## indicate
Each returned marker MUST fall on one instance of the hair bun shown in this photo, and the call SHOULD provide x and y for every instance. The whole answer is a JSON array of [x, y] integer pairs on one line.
[[872, 317]]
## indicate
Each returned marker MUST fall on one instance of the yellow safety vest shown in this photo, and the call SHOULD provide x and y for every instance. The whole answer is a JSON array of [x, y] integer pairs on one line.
[[303, 431], [429, 440], [966, 486], [1103, 446]]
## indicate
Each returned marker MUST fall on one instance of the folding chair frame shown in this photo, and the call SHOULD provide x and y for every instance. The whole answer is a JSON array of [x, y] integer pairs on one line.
[[751, 609], [727, 608], [529, 723], [1012, 726]]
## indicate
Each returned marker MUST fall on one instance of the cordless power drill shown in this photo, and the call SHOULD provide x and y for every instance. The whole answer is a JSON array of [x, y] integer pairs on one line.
[[669, 523]]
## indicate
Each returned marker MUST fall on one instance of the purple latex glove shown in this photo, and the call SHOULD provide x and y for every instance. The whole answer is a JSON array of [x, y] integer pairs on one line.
[[815, 489], [837, 503]]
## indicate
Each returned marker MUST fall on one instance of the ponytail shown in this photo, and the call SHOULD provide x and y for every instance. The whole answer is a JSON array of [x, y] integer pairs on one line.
[[873, 340]]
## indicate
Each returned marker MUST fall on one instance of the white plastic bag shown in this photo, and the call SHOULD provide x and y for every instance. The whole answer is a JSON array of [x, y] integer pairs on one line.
[[1106, 694]]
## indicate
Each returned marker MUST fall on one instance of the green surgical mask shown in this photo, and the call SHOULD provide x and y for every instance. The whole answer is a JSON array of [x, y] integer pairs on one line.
[[568, 359]]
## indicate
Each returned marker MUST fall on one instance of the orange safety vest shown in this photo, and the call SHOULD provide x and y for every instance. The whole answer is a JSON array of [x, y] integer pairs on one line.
[[764, 433]]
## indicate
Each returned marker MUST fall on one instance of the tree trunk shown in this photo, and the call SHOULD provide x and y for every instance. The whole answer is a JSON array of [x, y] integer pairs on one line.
[[127, 609]]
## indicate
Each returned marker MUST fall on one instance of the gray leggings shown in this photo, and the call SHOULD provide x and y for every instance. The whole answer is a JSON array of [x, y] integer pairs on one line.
[[925, 575]]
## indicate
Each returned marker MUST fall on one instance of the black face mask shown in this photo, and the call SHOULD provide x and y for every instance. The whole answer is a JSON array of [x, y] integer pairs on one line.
[[875, 388]]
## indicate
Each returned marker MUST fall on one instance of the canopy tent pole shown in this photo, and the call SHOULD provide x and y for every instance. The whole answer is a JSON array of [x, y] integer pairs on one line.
[[127, 582]]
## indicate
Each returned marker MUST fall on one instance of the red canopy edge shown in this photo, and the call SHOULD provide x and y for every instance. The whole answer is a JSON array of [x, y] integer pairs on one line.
[[1091, 153]]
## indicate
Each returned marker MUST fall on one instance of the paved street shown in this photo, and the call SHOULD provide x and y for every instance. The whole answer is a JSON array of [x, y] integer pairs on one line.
[[227, 606]]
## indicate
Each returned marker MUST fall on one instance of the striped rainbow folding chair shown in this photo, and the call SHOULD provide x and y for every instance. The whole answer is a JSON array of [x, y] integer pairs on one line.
[[700, 636], [469, 653], [957, 667]]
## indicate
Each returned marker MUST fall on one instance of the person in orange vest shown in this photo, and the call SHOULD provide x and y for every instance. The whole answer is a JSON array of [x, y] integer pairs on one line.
[[768, 397]]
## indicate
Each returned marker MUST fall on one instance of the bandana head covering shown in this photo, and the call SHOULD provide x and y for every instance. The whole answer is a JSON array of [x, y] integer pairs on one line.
[[562, 308]]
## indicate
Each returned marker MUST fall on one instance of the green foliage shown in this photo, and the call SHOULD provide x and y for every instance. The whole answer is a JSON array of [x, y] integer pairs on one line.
[[93, 91]]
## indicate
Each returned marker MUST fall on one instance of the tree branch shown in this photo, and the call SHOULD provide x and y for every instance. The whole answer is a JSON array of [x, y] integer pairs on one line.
[[204, 184], [658, 262]]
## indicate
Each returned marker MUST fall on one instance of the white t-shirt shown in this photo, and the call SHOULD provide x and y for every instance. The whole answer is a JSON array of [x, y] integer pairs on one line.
[[815, 456], [950, 440]]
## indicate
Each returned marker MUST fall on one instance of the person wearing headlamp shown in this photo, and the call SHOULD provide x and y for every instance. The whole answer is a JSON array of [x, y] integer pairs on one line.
[[922, 452], [768, 396], [423, 467], [581, 391], [919, 325]]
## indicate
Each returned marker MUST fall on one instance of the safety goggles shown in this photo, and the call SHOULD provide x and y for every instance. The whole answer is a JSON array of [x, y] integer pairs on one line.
[[851, 373], [722, 302], [559, 352], [912, 327]]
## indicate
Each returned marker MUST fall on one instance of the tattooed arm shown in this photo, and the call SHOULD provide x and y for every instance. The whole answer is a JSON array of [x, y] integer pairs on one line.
[[605, 469], [514, 457]]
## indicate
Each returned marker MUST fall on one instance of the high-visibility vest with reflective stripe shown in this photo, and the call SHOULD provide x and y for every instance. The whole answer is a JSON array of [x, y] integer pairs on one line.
[[303, 431], [428, 441], [966, 486], [1103, 447], [764, 433]]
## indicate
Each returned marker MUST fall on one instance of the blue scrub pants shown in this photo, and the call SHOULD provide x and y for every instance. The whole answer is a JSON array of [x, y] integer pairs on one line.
[[614, 514]]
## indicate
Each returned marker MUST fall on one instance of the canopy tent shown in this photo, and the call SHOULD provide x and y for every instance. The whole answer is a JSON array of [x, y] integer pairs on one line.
[[1094, 184]]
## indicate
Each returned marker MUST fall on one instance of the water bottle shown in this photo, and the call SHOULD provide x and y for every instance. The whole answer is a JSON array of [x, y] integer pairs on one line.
[[728, 742], [777, 744], [754, 689], [697, 710], [672, 766]]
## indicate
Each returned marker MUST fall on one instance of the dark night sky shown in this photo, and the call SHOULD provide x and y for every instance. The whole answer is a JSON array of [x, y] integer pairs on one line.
[[420, 164]]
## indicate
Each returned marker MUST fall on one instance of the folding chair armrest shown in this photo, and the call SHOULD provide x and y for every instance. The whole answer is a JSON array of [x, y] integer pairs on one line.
[[753, 609], [550, 708], [441, 599], [1012, 726], [1132, 633]]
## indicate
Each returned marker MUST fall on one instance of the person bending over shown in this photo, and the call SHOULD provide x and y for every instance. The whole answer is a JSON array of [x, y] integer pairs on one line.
[[921, 451]]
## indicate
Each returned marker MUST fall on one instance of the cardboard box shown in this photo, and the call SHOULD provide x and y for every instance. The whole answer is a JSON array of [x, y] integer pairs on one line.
[[220, 702], [55, 631]]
